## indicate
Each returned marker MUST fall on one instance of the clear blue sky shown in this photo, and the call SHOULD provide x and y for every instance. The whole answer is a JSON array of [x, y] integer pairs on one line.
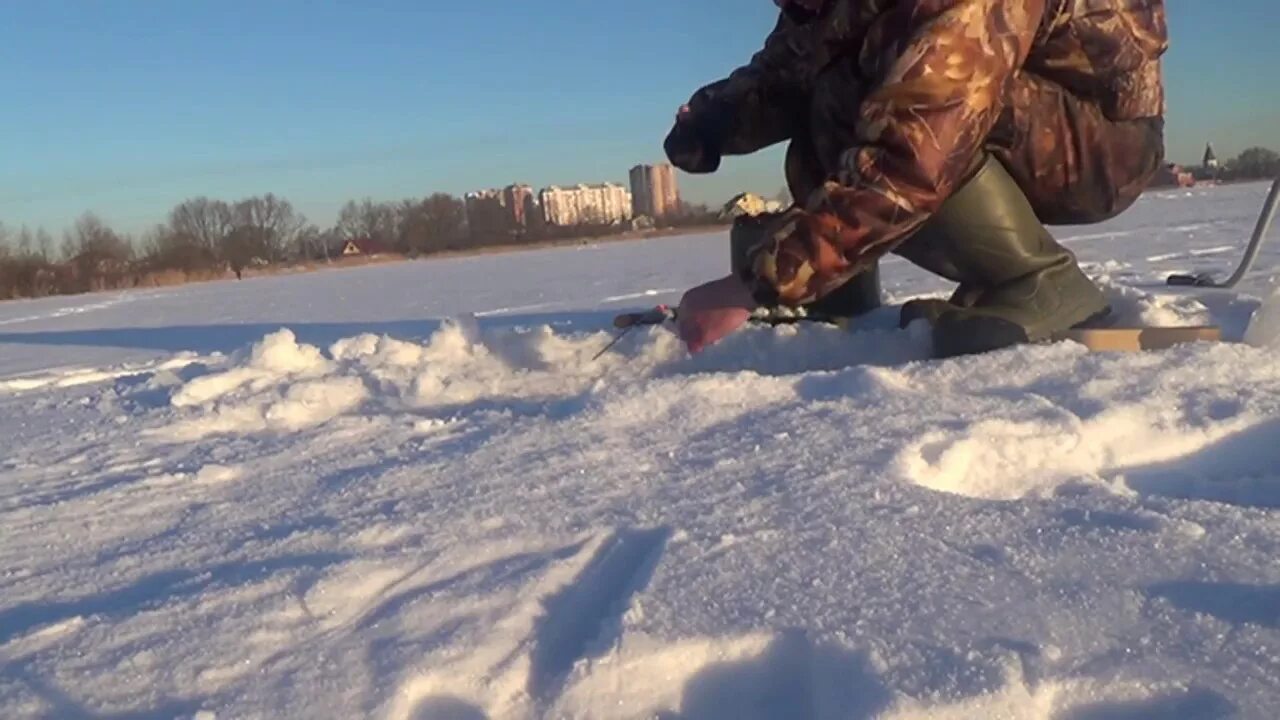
[[126, 107]]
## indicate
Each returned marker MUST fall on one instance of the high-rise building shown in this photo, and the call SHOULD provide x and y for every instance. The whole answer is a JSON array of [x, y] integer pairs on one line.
[[519, 203], [604, 204], [654, 191], [499, 213], [666, 193], [641, 190]]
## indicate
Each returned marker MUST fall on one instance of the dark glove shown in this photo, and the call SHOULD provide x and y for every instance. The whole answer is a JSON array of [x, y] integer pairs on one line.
[[690, 145]]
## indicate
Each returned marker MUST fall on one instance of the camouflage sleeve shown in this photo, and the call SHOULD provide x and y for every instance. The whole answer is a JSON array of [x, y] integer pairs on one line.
[[943, 72], [755, 106]]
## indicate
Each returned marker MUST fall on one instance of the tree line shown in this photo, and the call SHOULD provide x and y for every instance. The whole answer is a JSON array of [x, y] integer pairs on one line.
[[204, 238], [1255, 163]]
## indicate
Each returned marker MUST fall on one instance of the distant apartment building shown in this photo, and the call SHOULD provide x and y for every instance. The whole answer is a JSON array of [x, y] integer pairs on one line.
[[520, 204], [654, 191], [604, 204], [500, 212]]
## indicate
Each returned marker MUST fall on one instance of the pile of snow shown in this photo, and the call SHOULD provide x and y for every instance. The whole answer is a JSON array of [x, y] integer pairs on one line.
[[281, 385]]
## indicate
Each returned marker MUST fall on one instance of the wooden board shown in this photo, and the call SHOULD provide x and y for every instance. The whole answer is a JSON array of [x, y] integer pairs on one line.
[[1143, 338]]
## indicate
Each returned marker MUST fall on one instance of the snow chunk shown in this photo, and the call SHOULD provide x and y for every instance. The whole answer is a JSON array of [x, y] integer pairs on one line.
[[1132, 307], [222, 420], [280, 385], [1264, 327], [45, 636], [313, 403], [217, 474], [277, 356], [280, 352]]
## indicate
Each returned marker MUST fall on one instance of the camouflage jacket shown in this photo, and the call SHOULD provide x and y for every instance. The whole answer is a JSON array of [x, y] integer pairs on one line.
[[897, 96]]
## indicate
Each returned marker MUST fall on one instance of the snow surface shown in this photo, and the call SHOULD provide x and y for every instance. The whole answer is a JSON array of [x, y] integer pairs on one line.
[[340, 495]]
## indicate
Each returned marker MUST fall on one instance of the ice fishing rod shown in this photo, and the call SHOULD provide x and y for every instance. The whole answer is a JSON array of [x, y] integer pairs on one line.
[[1205, 280], [627, 322]]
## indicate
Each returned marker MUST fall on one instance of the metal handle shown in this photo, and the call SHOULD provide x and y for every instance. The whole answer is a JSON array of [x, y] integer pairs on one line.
[[1250, 253], [1259, 234]]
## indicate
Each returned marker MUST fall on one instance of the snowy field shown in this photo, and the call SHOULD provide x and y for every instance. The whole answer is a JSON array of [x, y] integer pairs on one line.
[[321, 496]]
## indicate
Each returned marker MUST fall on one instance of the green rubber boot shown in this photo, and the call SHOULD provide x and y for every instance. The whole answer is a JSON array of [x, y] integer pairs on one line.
[[858, 296], [1017, 284]]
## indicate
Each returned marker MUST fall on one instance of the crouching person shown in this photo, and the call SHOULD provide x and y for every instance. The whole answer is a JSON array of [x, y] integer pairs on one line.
[[949, 132]]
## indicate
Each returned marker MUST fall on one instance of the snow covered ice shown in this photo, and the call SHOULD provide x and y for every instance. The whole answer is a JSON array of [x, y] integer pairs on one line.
[[408, 492]]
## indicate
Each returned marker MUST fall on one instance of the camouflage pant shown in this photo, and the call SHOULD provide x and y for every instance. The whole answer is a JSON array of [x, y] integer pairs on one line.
[[1074, 164]]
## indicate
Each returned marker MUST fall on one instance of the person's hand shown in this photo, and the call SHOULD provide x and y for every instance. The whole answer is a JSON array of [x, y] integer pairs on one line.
[[688, 147], [712, 311]]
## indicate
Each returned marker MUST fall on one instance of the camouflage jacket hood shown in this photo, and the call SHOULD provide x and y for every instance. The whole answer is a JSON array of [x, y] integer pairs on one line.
[[900, 95]]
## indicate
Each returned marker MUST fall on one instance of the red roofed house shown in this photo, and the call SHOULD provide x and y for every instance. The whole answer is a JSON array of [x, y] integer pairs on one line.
[[362, 246]]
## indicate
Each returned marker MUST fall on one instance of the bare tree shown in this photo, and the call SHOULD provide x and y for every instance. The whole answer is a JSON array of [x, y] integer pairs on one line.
[[245, 246], [411, 226], [26, 242], [368, 220], [413, 231], [8, 266], [91, 236], [168, 248], [24, 273], [98, 256], [445, 218], [316, 244], [204, 222], [44, 243], [150, 249], [271, 222]]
